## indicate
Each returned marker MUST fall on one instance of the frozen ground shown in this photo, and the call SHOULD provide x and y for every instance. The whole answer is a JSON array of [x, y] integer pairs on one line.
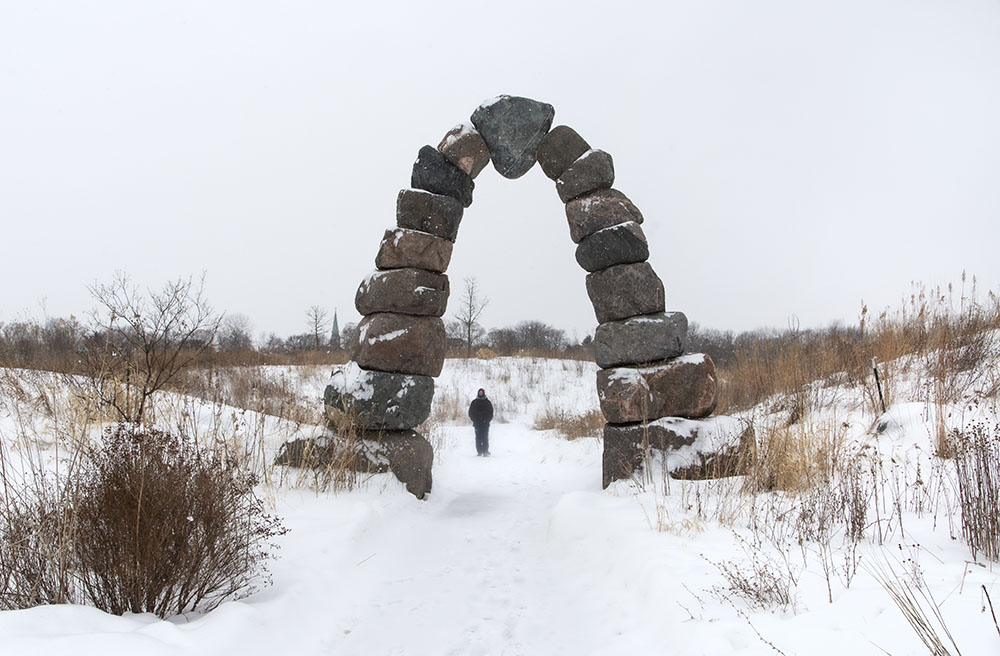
[[524, 553]]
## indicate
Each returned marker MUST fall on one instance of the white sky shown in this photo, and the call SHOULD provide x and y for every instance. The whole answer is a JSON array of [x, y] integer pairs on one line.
[[790, 158]]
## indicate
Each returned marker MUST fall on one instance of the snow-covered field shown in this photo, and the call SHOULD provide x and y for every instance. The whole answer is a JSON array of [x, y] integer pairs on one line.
[[524, 553]]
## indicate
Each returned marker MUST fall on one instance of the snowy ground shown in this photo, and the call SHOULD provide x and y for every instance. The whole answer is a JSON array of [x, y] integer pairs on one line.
[[524, 553]]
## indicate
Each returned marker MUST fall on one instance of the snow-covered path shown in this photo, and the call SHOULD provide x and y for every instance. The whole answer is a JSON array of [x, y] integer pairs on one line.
[[518, 554]]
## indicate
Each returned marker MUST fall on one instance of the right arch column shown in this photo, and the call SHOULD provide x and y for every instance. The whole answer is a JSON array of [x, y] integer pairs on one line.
[[649, 388]]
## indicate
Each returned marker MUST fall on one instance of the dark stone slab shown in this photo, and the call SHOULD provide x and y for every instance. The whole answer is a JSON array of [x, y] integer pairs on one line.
[[723, 454], [625, 290], [623, 455], [560, 148], [400, 344], [620, 244], [421, 210], [406, 291], [402, 248], [404, 453], [434, 173], [513, 128], [593, 170], [598, 210], [466, 149], [377, 400], [638, 340]]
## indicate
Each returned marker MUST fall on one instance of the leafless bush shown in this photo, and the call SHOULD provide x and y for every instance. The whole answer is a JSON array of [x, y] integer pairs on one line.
[[570, 424], [761, 580], [977, 465], [165, 528], [145, 522]]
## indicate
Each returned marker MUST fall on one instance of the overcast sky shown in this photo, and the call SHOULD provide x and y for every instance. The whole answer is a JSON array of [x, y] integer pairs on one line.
[[791, 158]]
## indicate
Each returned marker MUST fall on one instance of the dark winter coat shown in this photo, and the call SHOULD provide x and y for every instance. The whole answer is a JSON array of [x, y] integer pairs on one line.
[[481, 411]]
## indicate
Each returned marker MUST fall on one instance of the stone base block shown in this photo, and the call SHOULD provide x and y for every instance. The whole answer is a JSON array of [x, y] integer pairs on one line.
[[692, 449], [404, 453], [376, 400]]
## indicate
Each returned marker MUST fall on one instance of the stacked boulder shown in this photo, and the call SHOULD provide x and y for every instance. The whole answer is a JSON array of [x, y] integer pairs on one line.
[[400, 345]]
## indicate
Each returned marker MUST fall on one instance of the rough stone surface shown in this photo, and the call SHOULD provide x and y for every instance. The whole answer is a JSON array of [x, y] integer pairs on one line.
[[598, 210], [410, 457], [403, 248], [680, 387], [622, 456], [421, 210], [684, 386], [405, 453], [624, 291], [560, 148], [513, 128], [377, 400], [465, 148], [406, 291], [593, 170], [401, 344], [620, 244], [624, 395], [434, 173], [649, 338], [697, 449]]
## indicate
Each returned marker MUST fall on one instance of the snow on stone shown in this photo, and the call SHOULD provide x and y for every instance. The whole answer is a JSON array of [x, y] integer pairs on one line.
[[386, 337], [351, 380]]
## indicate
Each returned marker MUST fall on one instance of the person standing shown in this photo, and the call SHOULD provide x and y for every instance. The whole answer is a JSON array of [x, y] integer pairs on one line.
[[481, 414]]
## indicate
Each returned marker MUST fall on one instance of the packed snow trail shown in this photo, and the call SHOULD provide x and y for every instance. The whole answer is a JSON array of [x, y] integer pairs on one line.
[[518, 554]]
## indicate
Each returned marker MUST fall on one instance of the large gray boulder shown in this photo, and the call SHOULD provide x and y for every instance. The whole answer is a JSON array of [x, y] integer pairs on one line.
[[591, 171], [620, 244], [638, 340], [513, 127], [685, 386], [598, 210], [466, 149], [404, 248], [434, 173], [406, 291], [401, 344], [421, 210], [377, 400], [625, 290], [560, 148]]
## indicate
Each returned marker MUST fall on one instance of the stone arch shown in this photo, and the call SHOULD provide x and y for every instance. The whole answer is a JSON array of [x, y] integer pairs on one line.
[[648, 388]]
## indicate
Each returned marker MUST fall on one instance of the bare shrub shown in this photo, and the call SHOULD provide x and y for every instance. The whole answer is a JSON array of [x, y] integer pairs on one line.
[[163, 527], [761, 580], [569, 424], [977, 465]]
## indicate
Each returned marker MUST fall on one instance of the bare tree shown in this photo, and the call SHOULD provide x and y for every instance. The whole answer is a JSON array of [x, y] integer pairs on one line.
[[236, 333], [142, 341], [318, 320], [471, 306]]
